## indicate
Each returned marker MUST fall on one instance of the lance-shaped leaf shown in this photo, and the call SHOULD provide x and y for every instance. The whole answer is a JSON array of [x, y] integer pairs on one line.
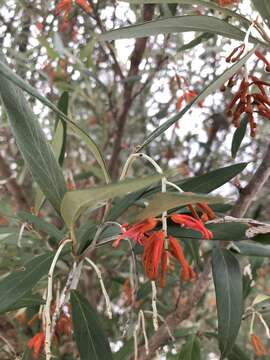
[[25, 301], [58, 144], [238, 136], [191, 349], [199, 184], [75, 202], [7, 73], [165, 201], [32, 143], [19, 283], [229, 296], [89, 335], [212, 87], [179, 24], [203, 3], [263, 7]]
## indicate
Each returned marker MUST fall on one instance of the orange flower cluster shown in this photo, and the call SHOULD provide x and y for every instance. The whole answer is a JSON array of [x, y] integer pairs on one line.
[[258, 346], [228, 2], [65, 6], [244, 101], [156, 257]]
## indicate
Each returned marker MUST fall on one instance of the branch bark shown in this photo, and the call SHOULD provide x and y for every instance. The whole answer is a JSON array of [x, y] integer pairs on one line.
[[135, 60], [249, 193]]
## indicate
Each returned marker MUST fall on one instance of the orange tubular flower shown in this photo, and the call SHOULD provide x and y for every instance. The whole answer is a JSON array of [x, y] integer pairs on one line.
[[137, 232], [84, 5], [177, 252], [65, 6], [193, 224], [37, 343], [153, 250], [258, 346]]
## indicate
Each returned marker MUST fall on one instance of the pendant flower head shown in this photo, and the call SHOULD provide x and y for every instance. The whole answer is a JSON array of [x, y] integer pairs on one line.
[[37, 343], [155, 256]]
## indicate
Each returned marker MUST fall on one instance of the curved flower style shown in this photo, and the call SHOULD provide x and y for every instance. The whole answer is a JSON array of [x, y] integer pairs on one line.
[[193, 224], [137, 232]]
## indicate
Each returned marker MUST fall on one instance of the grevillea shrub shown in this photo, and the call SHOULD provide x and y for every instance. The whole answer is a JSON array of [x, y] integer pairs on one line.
[[134, 177]]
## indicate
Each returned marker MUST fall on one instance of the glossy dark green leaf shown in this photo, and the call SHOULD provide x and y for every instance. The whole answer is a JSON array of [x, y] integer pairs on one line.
[[212, 87], [238, 136], [19, 283], [40, 224], [212, 180], [25, 301], [191, 349], [90, 338], [125, 350], [229, 296], [263, 7], [32, 142]]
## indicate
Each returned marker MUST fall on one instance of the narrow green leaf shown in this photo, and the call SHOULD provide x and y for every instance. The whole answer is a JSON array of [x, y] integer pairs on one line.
[[251, 248], [229, 296], [40, 225], [58, 144], [25, 301], [191, 349], [32, 142], [207, 4], [75, 202], [238, 136], [179, 24], [263, 7], [212, 180], [19, 283], [212, 87], [89, 335], [165, 201], [7, 73], [199, 184]]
